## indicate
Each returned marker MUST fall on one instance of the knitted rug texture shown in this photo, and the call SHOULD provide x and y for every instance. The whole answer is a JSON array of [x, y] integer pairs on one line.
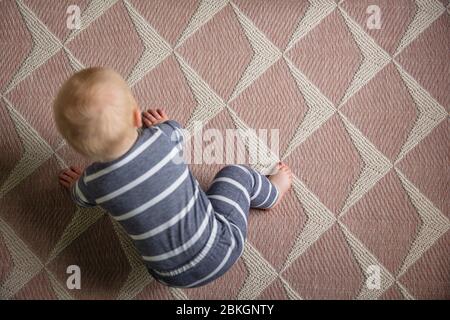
[[358, 92]]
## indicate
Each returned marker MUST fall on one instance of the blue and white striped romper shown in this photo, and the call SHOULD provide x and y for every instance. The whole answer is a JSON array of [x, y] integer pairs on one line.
[[186, 237]]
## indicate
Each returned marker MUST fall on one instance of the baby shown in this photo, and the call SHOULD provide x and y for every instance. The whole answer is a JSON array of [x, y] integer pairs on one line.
[[187, 237]]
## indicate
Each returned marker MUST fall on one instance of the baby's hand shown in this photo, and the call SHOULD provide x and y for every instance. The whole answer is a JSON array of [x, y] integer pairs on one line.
[[69, 176], [152, 117]]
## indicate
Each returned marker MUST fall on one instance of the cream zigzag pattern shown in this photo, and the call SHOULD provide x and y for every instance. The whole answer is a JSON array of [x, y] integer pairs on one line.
[[81, 221], [320, 109], [45, 45], [430, 113], [35, 150], [260, 274], [427, 12], [209, 103], [156, 49], [205, 11], [376, 164], [317, 11], [323, 110], [267, 159], [94, 10], [434, 223], [365, 259], [375, 58], [265, 53], [26, 263], [320, 219]]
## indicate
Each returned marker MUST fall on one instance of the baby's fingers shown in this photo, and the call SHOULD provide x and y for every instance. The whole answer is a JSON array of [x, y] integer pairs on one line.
[[65, 180], [149, 117], [147, 122], [77, 170], [155, 114], [64, 183], [71, 173], [162, 113]]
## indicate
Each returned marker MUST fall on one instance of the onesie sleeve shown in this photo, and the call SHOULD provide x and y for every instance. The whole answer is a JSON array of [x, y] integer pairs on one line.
[[80, 194], [173, 130]]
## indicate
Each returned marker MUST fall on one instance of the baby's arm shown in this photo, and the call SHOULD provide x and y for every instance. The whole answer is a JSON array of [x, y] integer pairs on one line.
[[71, 179], [160, 119]]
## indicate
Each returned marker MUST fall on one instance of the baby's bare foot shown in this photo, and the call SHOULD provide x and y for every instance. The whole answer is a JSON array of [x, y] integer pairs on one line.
[[282, 180]]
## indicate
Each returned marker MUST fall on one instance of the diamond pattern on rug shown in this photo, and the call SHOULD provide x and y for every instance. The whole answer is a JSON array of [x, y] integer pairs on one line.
[[275, 291], [395, 218], [173, 94], [330, 62], [395, 19], [221, 52], [159, 12], [422, 59], [328, 163], [39, 226], [429, 277], [384, 111], [46, 11], [202, 150], [278, 101], [7, 263], [38, 288], [362, 116], [154, 291], [12, 27], [280, 225], [117, 44], [99, 255], [277, 19], [427, 166], [332, 276], [37, 93], [393, 293], [10, 141]]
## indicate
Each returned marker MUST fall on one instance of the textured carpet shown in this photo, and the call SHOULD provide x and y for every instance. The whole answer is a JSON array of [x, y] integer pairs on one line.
[[363, 120]]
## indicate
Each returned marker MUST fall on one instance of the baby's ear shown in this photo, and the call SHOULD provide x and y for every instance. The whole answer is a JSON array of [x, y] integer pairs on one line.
[[137, 118]]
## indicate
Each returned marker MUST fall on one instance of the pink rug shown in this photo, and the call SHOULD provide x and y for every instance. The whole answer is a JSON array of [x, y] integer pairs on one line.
[[361, 105]]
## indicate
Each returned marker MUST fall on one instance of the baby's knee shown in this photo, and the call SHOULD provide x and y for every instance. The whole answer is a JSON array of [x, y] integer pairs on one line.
[[228, 170], [236, 172]]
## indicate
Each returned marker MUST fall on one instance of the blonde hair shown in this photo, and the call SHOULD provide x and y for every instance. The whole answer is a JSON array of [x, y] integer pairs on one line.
[[93, 111]]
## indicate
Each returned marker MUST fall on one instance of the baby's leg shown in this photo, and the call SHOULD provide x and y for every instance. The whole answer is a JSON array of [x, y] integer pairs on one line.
[[232, 192], [240, 187], [236, 188]]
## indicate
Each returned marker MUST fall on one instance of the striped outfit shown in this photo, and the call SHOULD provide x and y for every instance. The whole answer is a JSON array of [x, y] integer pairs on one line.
[[186, 237]]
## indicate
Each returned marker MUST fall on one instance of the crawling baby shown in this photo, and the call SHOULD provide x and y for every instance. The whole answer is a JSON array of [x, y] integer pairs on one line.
[[187, 237]]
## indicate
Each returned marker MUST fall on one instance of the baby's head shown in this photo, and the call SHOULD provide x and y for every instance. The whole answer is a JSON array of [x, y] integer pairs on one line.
[[97, 114]]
